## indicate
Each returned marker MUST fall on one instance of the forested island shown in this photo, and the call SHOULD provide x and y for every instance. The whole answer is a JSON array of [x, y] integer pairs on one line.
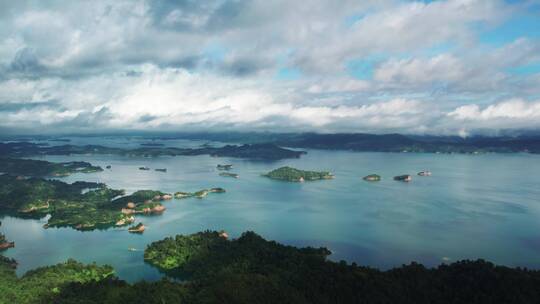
[[229, 174], [198, 194], [250, 269], [372, 178], [80, 205], [249, 151], [295, 175]]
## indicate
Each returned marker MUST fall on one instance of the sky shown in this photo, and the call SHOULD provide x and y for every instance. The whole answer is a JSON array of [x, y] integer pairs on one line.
[[457, 67]]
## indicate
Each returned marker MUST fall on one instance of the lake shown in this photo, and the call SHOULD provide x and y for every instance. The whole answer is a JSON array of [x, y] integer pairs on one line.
[[473, 206]]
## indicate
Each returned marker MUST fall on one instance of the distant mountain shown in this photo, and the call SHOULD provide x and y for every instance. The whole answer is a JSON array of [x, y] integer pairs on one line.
[[262, 151], [269, 145], [405, 143]]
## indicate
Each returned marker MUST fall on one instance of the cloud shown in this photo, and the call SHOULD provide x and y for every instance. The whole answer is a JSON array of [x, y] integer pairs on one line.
[[516, 109], [213, 64], [513, 114]]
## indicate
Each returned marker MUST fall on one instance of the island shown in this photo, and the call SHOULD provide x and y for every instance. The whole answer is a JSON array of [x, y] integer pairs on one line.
[[372, 178], [31, 167], [403, 178], [295, 175], [263, 151], [224, 167], [152, 145], [198, 194], [139, 228], [80, 205], [229, 174]]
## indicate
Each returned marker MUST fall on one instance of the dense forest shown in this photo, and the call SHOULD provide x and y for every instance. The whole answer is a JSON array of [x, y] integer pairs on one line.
[[251, 269]]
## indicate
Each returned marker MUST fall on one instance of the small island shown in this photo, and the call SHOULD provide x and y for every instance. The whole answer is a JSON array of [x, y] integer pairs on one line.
[[152, 144], [139, 228], [372, 178], [198, 194], [224, 167], [229, 174], [403, 178], [295, 175]]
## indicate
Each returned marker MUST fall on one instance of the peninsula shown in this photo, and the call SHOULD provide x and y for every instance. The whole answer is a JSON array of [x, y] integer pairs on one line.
[[80, 205], [30, 167]]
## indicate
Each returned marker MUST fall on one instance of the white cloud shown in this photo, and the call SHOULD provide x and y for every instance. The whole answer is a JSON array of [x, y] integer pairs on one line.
[[512, 109], [150, 64], [441, 68]]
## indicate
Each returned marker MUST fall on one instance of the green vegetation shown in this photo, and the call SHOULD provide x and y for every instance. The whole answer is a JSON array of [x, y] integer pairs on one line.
[[224, 167], [296, 175], [403, 178], [139, 228], [251, 269], [372, 178], [38, 285], [30, 167], [229, 174], [81, 205], [199, 194]]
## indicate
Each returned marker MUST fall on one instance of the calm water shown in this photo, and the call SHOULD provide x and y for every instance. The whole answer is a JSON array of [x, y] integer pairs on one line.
[[483, 206]]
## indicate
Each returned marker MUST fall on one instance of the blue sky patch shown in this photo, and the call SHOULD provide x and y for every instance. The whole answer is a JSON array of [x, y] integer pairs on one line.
[[288, 74]]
